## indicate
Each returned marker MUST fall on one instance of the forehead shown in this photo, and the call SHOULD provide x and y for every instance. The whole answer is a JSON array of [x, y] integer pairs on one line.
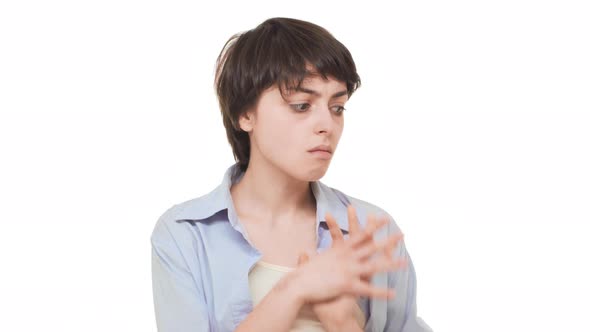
[[316, 80], [311, 77], [314, 77]]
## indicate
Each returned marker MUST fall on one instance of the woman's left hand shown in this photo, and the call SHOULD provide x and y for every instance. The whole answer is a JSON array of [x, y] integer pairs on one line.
[[339, 314], [336, 314]]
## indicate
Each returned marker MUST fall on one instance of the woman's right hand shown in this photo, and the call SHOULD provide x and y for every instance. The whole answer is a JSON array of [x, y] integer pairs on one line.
[[347, 267]]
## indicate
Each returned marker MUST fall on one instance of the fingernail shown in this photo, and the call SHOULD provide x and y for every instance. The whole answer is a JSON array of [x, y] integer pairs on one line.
[[403, 263]]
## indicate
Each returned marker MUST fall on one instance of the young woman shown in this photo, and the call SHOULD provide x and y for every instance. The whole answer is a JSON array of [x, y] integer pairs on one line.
[[272, 248]]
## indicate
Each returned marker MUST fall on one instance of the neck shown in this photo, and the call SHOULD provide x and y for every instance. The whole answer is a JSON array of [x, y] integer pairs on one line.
[[269, 195]]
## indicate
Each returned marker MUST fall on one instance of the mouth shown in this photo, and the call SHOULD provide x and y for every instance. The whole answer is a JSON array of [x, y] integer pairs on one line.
[[322, 148], [321, 154]]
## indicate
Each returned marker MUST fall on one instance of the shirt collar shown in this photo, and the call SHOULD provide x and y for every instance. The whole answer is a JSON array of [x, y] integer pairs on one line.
[[327, 199]]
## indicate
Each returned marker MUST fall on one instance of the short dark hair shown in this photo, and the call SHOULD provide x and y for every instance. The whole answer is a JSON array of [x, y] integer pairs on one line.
[[278, 51]]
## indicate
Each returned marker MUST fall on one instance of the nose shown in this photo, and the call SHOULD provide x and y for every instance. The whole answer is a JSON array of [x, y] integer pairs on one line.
[[324, 120]]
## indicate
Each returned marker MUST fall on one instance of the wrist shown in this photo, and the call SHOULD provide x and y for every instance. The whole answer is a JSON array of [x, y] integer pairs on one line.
[[291, 286], [347, 325]]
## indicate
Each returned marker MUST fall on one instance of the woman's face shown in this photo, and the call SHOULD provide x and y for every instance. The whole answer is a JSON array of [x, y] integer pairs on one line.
[[283, 131]]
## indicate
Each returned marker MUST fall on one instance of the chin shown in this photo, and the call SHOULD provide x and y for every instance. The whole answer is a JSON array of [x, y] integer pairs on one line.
[[304, 170], [315, 173]]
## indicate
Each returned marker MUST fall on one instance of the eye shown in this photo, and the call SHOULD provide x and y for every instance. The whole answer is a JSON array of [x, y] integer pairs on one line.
[[300, 107], [339, 109]]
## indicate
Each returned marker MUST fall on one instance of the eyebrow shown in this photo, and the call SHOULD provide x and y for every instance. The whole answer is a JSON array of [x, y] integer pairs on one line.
[[317, 94]]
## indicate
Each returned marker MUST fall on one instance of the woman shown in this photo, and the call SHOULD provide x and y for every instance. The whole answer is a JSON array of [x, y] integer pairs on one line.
[[272, 248]]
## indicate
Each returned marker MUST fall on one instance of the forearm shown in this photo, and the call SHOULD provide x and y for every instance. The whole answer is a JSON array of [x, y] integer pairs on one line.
[[277, 310], [350, 325]]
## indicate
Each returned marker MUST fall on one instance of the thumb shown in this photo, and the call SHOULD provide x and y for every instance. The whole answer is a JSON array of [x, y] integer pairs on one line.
[[303, 258]]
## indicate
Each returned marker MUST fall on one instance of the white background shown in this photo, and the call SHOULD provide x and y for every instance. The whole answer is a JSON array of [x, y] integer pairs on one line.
[[471, 129]]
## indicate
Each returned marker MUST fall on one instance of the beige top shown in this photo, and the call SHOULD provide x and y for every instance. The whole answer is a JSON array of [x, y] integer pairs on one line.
[[262, 279]]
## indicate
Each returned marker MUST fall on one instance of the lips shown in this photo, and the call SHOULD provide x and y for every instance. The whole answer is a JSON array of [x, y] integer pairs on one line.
[[322, 147]]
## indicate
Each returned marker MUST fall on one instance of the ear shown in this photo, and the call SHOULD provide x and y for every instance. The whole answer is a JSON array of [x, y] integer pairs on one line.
[[247, 121]]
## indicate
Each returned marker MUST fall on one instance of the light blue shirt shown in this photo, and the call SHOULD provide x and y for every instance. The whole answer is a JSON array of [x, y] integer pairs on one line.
[[201, 258]]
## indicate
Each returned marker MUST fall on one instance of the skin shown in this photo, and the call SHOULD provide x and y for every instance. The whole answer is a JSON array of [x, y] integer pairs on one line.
[[338, 314], [274, 202], [343, 269], [281, 132]]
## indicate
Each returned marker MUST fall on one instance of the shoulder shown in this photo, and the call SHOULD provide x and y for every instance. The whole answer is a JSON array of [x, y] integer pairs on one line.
[[164, 224], [365, 208], [170, 224]]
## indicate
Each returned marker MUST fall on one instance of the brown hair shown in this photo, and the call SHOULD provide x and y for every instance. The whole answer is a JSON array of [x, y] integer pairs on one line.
[[278, 51]]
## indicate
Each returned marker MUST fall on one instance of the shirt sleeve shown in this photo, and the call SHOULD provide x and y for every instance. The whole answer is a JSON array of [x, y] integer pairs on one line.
[[178, 294], [401, 310]]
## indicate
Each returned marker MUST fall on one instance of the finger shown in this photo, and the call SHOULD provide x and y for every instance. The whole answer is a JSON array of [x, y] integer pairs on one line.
[[303, 258], [353, 221], [360, 288], [370, 221], [310, 253], [381, 264], [392, 242], [367, 233], [366, 251], [335, 231], [368, 248], [375, 224], [376, 265], [387, 246], [361, 235], [401, 263]]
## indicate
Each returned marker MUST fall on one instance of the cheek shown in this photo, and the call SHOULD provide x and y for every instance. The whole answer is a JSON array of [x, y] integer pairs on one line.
[[286, 137], [339, 128], [278, 134]]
